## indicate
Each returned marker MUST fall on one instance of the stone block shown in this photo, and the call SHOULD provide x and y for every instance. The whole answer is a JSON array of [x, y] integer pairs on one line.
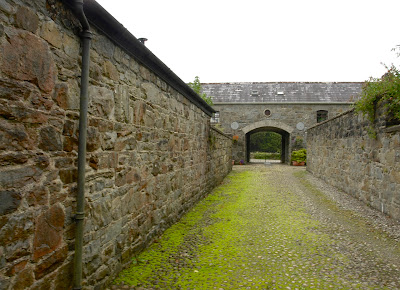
[[14, 136], [14, 235], [60, 95], [110, 71], [27, 19], [52, 33], [35, 64], [103, 46], [122, 105], [5, 7], [152, 93], [20, 177], [51, 262], [18, 112], [71, 46], [38, 195], [101, 102], [10, 201], [93, 139], [64, 277], [50, 139], [68, 176], [24, 279], [48, 231], [17, 267]]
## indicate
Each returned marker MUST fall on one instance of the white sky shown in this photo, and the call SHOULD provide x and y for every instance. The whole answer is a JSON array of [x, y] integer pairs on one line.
[[266, 40]]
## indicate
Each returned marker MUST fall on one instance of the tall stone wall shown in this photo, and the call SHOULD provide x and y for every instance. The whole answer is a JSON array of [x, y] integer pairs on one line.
[[340, 152], [151, 153]]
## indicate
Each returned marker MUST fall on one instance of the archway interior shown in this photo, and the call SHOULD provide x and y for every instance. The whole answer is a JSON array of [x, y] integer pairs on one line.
[[278, 142]]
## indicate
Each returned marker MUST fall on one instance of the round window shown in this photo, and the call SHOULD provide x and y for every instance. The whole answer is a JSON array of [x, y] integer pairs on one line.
[[267, 113]]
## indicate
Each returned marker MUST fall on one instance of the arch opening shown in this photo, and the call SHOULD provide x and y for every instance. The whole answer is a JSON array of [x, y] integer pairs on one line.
[[273, 133]]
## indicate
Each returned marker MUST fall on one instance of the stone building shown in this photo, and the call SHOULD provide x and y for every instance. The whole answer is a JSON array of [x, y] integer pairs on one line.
[[287, 108]]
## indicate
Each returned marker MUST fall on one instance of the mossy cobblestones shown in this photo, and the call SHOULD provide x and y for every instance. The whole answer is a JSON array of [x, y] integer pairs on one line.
[[255, 231]]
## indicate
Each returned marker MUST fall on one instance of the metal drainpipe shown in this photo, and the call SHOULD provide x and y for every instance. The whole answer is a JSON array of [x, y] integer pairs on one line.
[[86, 36]]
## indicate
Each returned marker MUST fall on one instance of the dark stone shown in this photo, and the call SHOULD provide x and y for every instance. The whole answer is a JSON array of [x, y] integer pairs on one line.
[[94, 162], [16, 268], [14, 137], [10, 201], [156, 169], [65, 277], [70, 144], [63, 162], [50, 263], [37, 196], [27, 19], [15, 235], [4, 283], [1, 30], [24, 279], [17, 111], [103, 46], [93, 139], [14, 158], [20, 177], [42, 161], [61, 95], [69, 175], [50, 139]]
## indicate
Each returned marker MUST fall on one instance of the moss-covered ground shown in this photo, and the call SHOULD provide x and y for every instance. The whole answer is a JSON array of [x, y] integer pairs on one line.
[[251, 232]]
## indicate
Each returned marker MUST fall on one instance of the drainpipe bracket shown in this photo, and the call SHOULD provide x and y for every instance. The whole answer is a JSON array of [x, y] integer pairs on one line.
[[86, 34], [78, 216]]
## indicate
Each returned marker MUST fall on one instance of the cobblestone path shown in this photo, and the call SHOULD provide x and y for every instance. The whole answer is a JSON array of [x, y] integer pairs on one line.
[[272, 227]]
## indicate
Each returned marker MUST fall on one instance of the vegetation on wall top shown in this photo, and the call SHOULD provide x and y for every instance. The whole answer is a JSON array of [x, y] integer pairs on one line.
[[196, 86], [384, 90]]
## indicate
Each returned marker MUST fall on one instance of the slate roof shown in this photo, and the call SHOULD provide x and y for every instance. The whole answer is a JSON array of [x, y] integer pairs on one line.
[[283, 92]]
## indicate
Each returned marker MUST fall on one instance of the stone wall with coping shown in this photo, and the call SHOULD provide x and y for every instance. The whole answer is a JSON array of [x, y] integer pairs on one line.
[[151, 153], [340, 152]]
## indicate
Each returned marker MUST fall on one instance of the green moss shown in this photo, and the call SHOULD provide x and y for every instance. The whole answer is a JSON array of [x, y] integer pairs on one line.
[[246, 233]]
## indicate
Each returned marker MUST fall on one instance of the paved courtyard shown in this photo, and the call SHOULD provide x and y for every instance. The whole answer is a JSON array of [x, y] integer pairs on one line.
[[272, 227]]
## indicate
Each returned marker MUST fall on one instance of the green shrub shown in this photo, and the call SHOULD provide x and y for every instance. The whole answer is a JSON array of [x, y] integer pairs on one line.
[[299, 155], [265, 155], [384, 90]]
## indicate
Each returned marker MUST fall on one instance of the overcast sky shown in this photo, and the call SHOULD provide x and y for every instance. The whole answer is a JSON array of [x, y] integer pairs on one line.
[[264, 40]]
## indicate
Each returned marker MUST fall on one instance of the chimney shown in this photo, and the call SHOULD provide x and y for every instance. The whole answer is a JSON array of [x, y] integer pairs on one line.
[[142, 40]]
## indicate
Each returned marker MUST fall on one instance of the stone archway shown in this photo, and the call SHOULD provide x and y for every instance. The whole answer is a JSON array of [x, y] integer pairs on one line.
[[271, 126], [267, 123]]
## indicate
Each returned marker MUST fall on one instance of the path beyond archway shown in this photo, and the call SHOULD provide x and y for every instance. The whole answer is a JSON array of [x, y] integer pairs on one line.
[[272, 227]]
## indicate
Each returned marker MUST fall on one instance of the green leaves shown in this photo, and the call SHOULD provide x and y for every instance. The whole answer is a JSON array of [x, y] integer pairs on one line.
[[384, 90], [196, 86], [299, 155], [265, 142]]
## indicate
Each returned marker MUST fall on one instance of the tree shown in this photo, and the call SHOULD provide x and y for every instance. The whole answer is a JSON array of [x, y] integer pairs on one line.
[[265, 142], [196, 86]]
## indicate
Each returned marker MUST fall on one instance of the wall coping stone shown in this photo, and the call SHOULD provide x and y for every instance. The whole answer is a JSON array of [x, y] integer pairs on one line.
[[330, 119], [284, 103], [222, 133], [392, 129]]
